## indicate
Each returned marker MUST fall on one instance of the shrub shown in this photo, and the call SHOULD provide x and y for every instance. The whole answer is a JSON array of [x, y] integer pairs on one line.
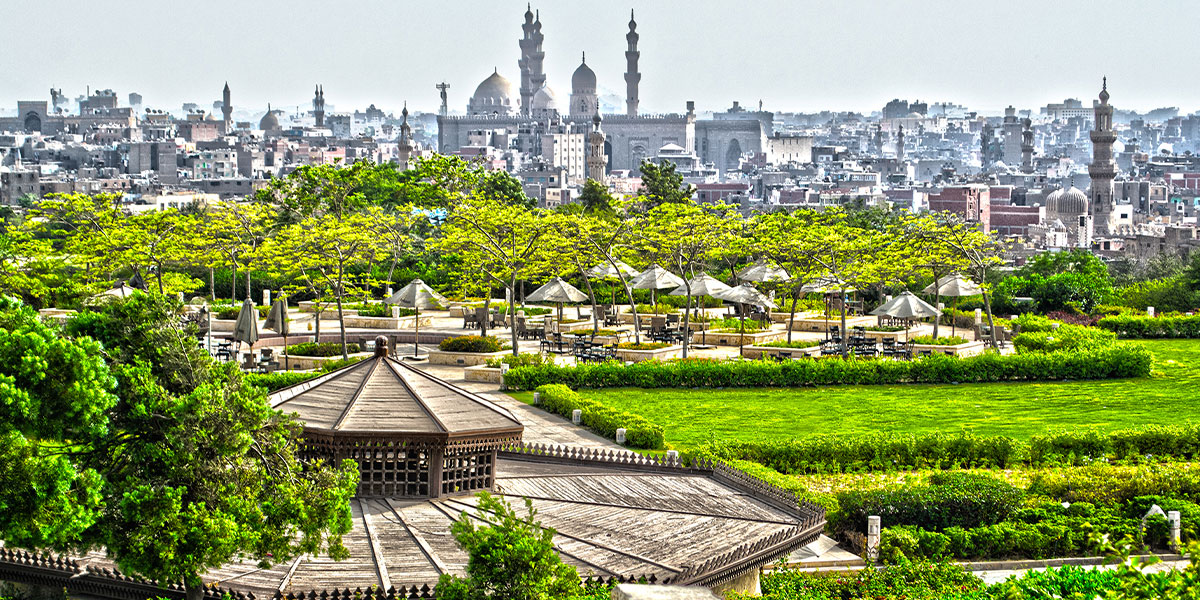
[[792, 344], [1066, 337], [648, 309], [379, 310], [642, 346], [1117, 361], [946, 340], [951, 500], [1141, 326], [1135, 445], [901, 581], [471, 343], [886, 328], [1031, 322], [322, 349], [1110, 484], [334, 365], [604, 420], [525, 359], [277, 381]]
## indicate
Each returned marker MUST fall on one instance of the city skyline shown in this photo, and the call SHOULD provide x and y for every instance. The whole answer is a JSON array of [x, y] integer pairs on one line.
[[272, 55]]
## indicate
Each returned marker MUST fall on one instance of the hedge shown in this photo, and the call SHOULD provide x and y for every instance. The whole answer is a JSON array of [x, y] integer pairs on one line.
[[899, 451], [1066, 337], [471, 343], [604, 420], [1117, 361], [1141, 326], [954, 499], [278, 380], [322, 349]]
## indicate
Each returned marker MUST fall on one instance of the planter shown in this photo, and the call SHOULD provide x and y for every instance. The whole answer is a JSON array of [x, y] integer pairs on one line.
[[569, 327], [222, 325], [305, 363], [463, 359], [621, 336], [387, 322], [734, 338], [644, 355], [967, 349], [782, 317], [769, 351], [819, 324], [899, 336], [483, 374]]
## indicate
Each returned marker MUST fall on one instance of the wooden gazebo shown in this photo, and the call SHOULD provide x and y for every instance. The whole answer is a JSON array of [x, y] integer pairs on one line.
[[412, 435]]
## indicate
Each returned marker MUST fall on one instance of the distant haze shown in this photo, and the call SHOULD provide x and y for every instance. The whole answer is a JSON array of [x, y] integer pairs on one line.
[[793, 55]]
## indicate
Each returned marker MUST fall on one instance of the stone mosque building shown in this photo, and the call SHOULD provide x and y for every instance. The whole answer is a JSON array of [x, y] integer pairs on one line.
[[525, 113]]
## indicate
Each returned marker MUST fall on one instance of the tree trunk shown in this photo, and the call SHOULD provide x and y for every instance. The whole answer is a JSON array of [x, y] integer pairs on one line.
[[487, 305], [212, 284], [936, 300], [591, 294], [233, 284], [987, 307], [845, 334], [193, 590], [687, 312], [792, 315], [342, 324], [317, 319], [158, 276], [512, 307], [391, 271]]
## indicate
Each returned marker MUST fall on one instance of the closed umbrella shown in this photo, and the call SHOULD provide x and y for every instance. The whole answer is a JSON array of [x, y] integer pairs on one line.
[[245, 329], [416, 295], [558, 291], [655, 278], [744, 294], [955, 286], [277, 321], [701, 285]]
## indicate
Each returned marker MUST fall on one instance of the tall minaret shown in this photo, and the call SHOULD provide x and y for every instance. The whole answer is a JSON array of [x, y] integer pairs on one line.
[[319, 105], [226, 109], [1103, 169], [900, 144], [596, 161], [632, 77], [1027, 146], [530, 63], [405, 146]]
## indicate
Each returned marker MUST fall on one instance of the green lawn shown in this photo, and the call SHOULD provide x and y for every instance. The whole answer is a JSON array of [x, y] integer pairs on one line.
[[1019, 410]]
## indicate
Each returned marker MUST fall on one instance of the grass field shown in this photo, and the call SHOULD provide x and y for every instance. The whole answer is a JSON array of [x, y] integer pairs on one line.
[[1019, 410]]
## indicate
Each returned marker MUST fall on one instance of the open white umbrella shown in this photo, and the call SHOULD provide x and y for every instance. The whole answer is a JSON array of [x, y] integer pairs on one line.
[[606, 271], [655, 278], [955, 286], [558, 291], [277, 321], [763, 271], [907, 306], [245, 328], [701, 285], [744, 294], [416, 295]]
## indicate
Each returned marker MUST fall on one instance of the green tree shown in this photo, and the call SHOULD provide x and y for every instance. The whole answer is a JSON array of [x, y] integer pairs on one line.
[[662, 185], [594, 197], [509, 556], [504, 188]]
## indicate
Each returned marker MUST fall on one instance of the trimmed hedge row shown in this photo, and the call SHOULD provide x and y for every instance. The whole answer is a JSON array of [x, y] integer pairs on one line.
[[639, 433], [897, 451], [952, 499], [471, 343], [1141, 326], [1066, 337], [278, 380], [1117, 361], [323, 349]]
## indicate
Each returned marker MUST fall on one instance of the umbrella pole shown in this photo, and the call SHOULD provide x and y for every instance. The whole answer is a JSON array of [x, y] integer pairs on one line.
[[416, 331], [286, 367], [742, 331], [953, 319], [654, 299]]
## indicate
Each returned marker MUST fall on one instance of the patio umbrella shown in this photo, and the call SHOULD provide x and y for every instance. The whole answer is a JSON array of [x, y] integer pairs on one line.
[[558, 291], [744, 294], [245, 329], [277, 321], [702, 285], [763, 271], [826, 286], [121, 291], [655, 278], [416, 295], [955, 286], [606, 271], [907, 306]]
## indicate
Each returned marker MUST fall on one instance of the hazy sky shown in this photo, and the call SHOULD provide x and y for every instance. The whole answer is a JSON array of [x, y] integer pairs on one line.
[[792, 54]]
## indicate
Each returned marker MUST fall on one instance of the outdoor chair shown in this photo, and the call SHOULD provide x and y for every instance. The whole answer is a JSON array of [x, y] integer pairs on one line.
[[470, 320], [782, 356]]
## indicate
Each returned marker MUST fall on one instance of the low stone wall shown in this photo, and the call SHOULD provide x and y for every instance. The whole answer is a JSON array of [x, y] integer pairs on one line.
[[823, 324], [644, 355], [755, 352], [483, 374], [463, 359], [408, 322], [733, 338], [967, 349]]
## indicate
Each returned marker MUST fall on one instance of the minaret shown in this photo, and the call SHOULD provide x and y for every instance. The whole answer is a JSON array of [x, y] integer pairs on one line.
[[405, 145], [226, 109], [878, 141], [900, 144], [1103, 169], [441, 88], [530, 63], [1027, 146], [632, 77], [319, 105], [596, 161]]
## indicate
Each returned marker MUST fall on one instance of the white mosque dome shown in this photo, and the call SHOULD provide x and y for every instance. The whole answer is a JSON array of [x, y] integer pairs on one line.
[[494, 94], [1067, 204], [544, 99]]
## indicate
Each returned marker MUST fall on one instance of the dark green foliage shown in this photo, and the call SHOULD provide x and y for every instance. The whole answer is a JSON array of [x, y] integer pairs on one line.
[[1075, 280], [471, 343], [510, 557], [1144, 444], [595, 197], [639, 433], [1118, 361], [321, 349], [277, 380], [524, 359], [1065, 337], [953, 499], [1141, 326], [904, 581], [662, 185]]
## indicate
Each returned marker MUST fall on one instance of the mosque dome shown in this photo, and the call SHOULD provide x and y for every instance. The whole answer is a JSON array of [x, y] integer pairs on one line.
[[584, 79], [1068, 204], [269, 122], [494, 94], [544, 99]]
